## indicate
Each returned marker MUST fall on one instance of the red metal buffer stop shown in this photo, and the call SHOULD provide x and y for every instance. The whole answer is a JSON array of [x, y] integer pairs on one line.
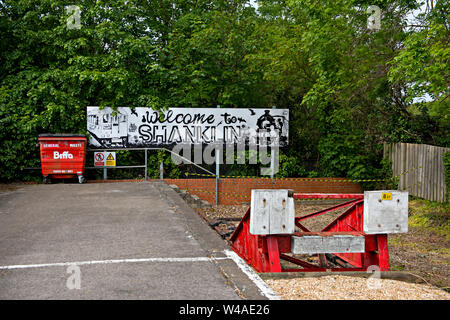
[[354, 241], [63, 156]]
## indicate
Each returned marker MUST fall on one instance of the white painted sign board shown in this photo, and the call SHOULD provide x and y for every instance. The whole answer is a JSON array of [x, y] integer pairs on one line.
[[312, 244], [145, 127], [271, 212], [385, 211]]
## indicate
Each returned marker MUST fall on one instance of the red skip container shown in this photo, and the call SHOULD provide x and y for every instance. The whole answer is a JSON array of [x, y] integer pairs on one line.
[[63, 156]]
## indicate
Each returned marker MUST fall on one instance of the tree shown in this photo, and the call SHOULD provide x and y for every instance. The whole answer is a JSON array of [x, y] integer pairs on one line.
[[422, 67], [348, 88], [333, 74], [51, 72]]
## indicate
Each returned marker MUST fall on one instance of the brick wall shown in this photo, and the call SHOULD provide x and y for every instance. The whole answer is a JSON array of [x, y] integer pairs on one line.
[[237, 191]]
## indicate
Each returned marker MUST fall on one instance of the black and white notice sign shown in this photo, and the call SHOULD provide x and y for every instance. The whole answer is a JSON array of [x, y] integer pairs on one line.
[[144, 127]]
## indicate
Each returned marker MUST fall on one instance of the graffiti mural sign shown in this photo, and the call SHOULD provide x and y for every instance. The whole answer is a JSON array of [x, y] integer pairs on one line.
[[144, 127]]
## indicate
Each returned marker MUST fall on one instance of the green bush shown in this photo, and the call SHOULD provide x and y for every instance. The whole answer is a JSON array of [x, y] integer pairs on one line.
[[446, 159]]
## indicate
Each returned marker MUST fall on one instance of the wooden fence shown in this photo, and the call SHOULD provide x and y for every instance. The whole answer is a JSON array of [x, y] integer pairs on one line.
[[420, 169]]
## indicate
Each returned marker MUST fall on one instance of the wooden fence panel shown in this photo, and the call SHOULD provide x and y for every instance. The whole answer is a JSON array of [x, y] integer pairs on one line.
[[420, 169]]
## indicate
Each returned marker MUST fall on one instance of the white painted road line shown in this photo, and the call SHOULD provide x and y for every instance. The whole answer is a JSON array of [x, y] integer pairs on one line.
[[253, 276], [80, 263], [262, 286]]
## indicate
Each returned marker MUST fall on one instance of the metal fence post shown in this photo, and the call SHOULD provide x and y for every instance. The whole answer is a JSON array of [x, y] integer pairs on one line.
[[161, 170], [145, 171], [217, 177]]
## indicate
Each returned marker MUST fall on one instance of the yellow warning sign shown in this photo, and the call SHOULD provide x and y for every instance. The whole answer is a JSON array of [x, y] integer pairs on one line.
[[386, 196], [111, 159]]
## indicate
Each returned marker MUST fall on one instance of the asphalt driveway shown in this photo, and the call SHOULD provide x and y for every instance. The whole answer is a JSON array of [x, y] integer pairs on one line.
[[112, 241]]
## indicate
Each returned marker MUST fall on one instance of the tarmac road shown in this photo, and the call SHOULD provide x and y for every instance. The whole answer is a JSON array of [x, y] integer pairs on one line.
[[113, 241]]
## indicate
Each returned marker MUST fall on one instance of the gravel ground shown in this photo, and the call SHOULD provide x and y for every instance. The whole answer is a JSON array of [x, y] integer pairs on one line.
[[353, 288]]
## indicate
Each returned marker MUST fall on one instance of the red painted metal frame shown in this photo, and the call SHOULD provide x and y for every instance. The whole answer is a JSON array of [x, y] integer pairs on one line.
[[328, 196], [264, 253]]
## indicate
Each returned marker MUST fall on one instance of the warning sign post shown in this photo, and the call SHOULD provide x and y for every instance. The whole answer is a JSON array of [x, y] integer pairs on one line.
[[105, 159], [99, 159], [110, 159]]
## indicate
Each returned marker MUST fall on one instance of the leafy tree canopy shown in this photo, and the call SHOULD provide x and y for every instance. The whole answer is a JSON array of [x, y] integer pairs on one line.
[[349, 89]]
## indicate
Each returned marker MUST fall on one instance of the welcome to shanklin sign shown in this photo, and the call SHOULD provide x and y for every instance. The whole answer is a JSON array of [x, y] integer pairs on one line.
[[145, 127]]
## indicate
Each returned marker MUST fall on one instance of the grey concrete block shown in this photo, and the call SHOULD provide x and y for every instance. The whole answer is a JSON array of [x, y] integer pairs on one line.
[[205, 204], [184, 194]]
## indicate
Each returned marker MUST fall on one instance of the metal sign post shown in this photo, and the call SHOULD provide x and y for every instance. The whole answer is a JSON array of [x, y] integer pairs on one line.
[[217, 172], [145, 171], [104, 159], [272, 160]]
